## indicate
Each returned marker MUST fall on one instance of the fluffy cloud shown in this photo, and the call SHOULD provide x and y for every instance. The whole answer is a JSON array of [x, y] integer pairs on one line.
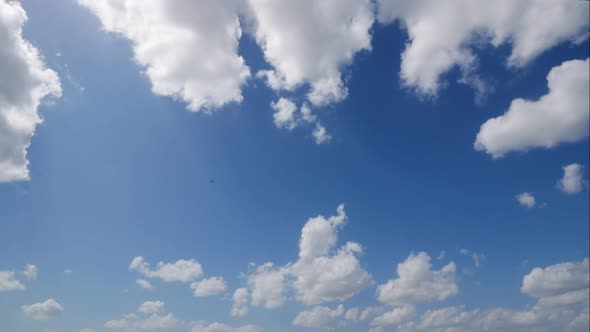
[[267, 285], [188, 49], [209, 286], [181, 270], [8, 282], [287, 116], [571, 182], [284, 116], [31, 271], [526, 199], [318, 317], [240, 302], [219, 327], [322, 273], [560, 116], [151, 307], [309, 42], [557, 280], [143, 284], [417, 282], [394, 317], [440, 39], [25, 82], [152, 318], [43, 310]]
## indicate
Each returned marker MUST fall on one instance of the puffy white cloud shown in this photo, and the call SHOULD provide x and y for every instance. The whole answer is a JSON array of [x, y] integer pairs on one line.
[[284, 116], [143, 284], [571, 182], [310, 42], [526, 199], [133, 322], [219, 327], [319, 317], [8, 282], [445, 318], [321, 134], [151, 307], [188, 49], [395, 316], [560, 116], [442, 34], [209, 286], [240, 302], [557, 280], [267, 286], [31, 271], [417, 282], [43, 310], [181, 270], [352, 314], [322, 273], [26, 81]]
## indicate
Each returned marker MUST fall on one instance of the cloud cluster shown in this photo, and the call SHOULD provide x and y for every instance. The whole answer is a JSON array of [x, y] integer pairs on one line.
[[151, 316], [43, 310], [560, 116], [323, 273], [288, 116], [319, 317], [25, 82], [188, 49], [441, 39], [8, 282]]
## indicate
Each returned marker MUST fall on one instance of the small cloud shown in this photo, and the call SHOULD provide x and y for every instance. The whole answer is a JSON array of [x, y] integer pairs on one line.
[[526, 199], [43, 310], [143, 284], [31, 271], [571, 182]]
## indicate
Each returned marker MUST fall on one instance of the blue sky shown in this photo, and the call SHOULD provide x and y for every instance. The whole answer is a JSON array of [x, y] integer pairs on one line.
[[119, 169]]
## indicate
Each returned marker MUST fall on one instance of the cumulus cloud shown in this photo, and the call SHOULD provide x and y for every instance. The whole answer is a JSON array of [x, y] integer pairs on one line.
[[181, 270], [43, 310], [240, 302], [395, 316], [442, 39], [557, 280], [571, 182], [188, 49], [284, 116], [151, 307], [8, 282], [418, 283], [310, 42], [560, 116], [143, 284], [287, 116], [209, 286], [219, 327], [152, 317], [31, 271], [323, 273], [319, 317], [526, 200], [26, 81]]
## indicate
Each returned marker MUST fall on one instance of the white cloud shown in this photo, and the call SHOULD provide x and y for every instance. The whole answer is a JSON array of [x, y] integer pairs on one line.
[[445, 318], [143, 284], [352, 314], [526, 199], [31, 271], [284, 116], [209, 286], [8, 282], [25, 83], [188, 49], [319, 317], [240, 302], [267, 285], [43, 310], [151, 307], [181, 270], [571, 182], [560, 116], [310, 42], [394, 317], [219, 327], [321, 134], [477, 258], [557, 279], [418, 283], [322, 273], [442, 34], [133, 322]]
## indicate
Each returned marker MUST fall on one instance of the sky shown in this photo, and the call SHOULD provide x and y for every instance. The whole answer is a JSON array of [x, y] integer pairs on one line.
[[253, 165]]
